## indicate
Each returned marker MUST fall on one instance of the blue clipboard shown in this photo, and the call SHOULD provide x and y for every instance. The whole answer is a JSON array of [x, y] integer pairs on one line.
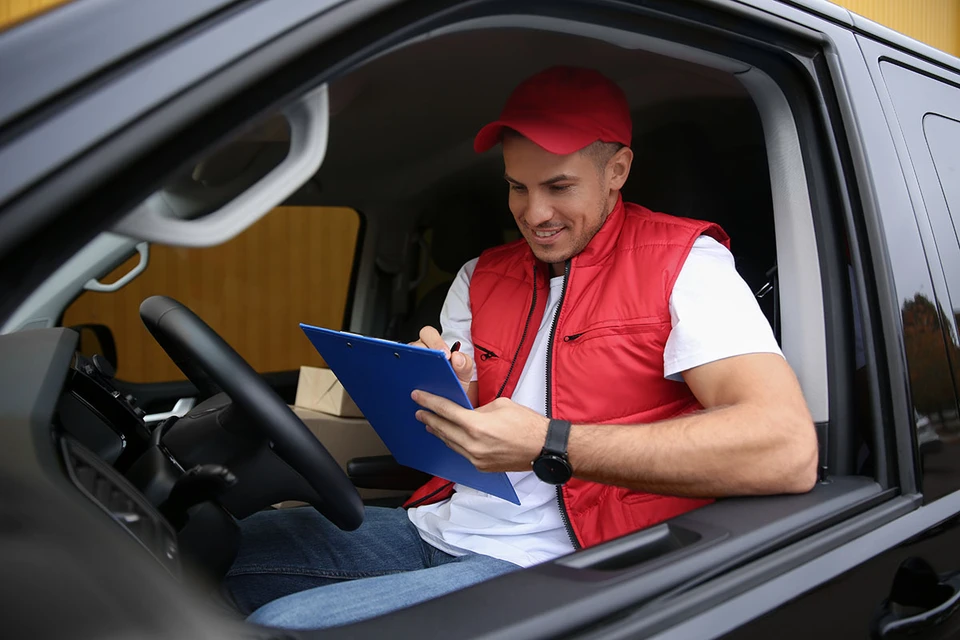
[[380, 375]]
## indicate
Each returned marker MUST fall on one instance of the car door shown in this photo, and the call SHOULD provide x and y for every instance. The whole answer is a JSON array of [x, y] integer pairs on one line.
[[911, 142]]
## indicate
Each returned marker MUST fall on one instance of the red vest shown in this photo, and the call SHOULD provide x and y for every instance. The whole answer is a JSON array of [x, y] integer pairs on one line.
[[605, 358]]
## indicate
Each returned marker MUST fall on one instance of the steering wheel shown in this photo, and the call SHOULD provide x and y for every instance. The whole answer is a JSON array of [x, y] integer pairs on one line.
[[213, 366]]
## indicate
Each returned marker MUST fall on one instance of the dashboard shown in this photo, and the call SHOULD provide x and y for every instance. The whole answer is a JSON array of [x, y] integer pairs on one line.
[[66, 422], [176, 488]]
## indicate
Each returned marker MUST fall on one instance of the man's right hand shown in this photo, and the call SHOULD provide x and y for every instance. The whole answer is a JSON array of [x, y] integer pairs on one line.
[[461, 362]]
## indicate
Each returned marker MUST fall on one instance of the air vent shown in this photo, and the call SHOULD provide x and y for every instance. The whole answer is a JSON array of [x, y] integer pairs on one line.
[[122, 502]]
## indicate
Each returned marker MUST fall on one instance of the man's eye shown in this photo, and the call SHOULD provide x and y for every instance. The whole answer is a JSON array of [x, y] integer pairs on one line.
[[516, 188], [559, 188]]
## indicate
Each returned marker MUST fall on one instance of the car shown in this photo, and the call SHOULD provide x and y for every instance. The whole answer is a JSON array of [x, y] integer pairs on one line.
[[826, 145]]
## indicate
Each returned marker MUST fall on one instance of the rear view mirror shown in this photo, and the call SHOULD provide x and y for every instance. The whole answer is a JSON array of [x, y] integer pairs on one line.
[[97, 339]]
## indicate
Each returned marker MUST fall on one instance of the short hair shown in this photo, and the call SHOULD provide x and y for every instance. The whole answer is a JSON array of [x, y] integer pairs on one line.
[[600, 152]]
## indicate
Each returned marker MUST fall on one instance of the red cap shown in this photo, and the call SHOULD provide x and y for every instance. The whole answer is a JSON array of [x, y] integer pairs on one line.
[[563, 109]]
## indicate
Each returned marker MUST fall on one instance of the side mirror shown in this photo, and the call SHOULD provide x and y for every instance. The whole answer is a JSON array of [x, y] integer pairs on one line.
[[97, 339]]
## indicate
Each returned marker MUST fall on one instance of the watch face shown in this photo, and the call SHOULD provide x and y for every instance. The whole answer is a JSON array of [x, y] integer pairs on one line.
[[552, 469]]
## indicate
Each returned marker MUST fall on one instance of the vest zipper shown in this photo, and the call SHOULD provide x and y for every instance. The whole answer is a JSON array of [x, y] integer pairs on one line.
[[523, 336], [429, 495], [553, 331], [490, 354]]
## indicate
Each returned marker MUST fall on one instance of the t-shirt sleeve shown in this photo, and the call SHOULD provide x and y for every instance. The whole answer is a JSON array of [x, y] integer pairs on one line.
[[713, 313], [455, 316]]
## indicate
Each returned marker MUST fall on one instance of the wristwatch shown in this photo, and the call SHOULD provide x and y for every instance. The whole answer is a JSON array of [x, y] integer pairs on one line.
[[552, 465]]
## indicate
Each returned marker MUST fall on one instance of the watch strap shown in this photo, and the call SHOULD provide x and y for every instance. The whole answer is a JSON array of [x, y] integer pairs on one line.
[[558, 432]]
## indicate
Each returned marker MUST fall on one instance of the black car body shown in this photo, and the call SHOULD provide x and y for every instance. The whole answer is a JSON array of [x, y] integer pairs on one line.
[[846, 135]]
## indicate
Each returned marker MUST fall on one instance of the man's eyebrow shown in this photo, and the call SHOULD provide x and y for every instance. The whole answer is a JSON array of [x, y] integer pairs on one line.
[[560, 178], [555, 179]]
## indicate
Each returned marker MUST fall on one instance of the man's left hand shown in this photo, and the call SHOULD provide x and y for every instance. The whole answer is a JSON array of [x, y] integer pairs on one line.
[[500, 436]]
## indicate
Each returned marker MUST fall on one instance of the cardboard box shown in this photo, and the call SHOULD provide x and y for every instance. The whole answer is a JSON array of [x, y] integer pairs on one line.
[[345, 439], [319, 390]]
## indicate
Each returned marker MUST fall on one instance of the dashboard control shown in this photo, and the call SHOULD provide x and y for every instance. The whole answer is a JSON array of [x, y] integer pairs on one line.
[[200, 484], [103, 367], [96, 414]]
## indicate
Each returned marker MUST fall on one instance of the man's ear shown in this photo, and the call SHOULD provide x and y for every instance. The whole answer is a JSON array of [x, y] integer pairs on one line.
[[618, 168]]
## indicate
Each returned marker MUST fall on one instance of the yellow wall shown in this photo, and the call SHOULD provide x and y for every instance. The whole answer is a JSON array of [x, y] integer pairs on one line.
[[935, 22], [14, 10], [291, 266]]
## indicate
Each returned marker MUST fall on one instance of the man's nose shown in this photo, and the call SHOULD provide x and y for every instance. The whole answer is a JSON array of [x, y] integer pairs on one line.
[[538, 211]]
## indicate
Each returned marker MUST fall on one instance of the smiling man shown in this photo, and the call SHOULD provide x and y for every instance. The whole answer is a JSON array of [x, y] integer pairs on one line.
[[626, 375]]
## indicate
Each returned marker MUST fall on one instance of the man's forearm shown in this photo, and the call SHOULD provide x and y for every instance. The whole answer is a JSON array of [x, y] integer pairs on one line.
[[733, 450]]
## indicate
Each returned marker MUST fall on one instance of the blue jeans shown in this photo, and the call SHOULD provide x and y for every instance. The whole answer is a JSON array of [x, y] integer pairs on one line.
[[297, 571]]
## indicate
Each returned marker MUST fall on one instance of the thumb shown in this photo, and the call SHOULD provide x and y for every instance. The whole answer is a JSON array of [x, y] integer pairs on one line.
[[462, 365]]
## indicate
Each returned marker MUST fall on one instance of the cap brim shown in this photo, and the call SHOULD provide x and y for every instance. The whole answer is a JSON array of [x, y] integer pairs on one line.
[[556, 138]]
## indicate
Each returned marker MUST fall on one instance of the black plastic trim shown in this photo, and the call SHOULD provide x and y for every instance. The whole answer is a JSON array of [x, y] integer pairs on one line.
[[852, 203], [384, 472], [34, 371], [816, 146]]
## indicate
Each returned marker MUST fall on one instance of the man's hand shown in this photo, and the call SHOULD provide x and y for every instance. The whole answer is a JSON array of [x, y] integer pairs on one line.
[[461, 362], [500, 436]]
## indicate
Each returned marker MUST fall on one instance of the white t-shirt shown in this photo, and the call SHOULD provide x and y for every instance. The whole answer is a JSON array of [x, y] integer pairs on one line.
[[714, 315]]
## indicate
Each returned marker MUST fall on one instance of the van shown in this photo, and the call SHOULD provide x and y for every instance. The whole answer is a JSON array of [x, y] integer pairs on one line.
[[135, 134]]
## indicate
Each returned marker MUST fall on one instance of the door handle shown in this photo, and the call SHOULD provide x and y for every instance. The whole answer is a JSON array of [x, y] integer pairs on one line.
[[180, 409], [921, 602]]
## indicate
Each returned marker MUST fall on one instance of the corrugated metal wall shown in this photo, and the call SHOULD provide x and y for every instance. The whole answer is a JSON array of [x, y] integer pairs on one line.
[[14, 10], [935, 22]]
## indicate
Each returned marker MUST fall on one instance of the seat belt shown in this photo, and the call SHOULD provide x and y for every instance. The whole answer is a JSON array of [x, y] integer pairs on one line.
[[772, 286]]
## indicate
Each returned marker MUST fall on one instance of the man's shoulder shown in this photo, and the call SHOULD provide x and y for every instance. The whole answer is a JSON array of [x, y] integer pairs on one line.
[[644, 218], [504, 256], [640, 213]]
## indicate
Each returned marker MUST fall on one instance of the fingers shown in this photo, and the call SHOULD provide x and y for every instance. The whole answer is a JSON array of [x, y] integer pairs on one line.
[[441, 406], [449, 433], [431, 339], [462, 366]]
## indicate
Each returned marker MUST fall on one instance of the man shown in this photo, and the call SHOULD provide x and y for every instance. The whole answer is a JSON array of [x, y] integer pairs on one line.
[[624, 375]]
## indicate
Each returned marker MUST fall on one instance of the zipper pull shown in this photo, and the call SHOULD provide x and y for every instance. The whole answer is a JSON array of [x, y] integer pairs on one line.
[[487, 354], [573, 337]]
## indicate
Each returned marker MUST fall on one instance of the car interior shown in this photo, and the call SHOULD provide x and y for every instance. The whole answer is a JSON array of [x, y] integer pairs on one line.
[[715, 138]]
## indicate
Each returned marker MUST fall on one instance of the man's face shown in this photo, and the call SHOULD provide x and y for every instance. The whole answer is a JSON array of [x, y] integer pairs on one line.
[[560, 202]]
